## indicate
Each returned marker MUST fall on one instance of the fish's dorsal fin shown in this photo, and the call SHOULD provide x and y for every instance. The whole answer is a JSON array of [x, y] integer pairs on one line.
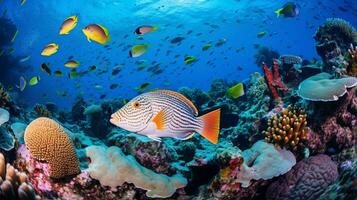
[[106, 32], [179, 96]]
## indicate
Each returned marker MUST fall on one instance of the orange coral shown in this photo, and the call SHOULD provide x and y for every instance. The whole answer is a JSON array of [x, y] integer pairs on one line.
[[288, 128], [14, 184], [47, 141]]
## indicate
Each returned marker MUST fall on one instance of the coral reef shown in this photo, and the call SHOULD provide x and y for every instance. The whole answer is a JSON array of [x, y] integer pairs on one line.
[[287, 129], [273, 80], [42, 111], [5, 98], [47, 141], [78, 109], [307, 180], [4, 116], [266, 55], [112, 168], [7, 140], [333, 39], [14, 184], [98, 122], [322, 87], [345, 186], [198, 97], [352, 61], [18, 128]]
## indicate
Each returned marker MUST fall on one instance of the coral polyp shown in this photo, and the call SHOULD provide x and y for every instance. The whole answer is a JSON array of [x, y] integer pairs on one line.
[[288, 128]]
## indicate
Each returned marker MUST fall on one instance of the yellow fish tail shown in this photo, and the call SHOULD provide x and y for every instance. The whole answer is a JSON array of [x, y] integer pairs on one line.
[[278, 12]]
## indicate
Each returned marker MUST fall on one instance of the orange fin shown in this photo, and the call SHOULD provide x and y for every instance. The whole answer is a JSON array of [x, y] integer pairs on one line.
[[179, 96], [210, 129], [159, 120]]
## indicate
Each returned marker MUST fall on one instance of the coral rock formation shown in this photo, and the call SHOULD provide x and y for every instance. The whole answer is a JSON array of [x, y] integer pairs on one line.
[[42, 111], [14, 184], [112, 168], [47, 141], [307, 180], [287, 129]]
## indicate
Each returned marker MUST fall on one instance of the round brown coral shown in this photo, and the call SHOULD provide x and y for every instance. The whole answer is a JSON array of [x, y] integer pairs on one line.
[[47, 141], [287, 129]]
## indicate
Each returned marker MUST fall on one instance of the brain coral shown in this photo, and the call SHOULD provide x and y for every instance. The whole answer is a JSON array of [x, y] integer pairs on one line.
[[112, 168], [322, 88], [47, 141], [307, 180]]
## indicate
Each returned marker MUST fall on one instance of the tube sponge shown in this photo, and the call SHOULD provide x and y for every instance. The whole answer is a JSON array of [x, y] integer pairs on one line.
[[112, 168], [264, 161]]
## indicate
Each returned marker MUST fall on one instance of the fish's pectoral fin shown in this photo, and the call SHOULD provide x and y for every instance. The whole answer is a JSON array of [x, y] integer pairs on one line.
[[157, 139], [187, 137], [89, 39], [159, 120]]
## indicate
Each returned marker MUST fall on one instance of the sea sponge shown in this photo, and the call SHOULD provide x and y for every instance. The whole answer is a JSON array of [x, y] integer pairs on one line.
[[307, 180], [47, 141], [112, 168], [264, 161], [14, 184], [288, 128], [322, 88]]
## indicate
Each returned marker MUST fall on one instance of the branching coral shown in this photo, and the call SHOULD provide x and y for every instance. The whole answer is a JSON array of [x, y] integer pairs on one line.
[[273, 80], [47, 141], [14, 184], [42, 111], [352, 61], [112, 168], [287, 129]]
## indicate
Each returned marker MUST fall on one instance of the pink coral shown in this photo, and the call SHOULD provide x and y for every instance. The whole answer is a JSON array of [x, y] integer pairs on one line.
[[273, 80], [339, 126], [307, 180]]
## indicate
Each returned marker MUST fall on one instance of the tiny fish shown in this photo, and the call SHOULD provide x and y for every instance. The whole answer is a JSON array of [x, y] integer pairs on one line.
[[50, 49], [68, 25], [142, 30]]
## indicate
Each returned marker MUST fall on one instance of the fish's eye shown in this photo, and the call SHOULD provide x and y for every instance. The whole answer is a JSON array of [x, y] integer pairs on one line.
[[136, 104]]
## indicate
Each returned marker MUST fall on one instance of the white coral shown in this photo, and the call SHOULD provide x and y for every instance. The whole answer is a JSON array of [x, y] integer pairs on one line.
[[112, 168]]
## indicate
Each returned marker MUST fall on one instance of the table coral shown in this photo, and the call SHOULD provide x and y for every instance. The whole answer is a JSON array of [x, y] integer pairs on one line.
[[47, 141], [112, 168], [307, 180], [287, 129], [322, 87]]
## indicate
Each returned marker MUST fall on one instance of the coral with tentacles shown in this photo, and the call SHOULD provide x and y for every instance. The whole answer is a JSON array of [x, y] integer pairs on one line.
[[288, 128]]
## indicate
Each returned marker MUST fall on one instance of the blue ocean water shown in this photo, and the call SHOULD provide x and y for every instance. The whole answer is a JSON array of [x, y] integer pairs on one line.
[[209, 21]]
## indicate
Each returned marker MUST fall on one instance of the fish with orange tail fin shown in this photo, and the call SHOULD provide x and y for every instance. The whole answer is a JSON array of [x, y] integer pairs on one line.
[[164, 113]]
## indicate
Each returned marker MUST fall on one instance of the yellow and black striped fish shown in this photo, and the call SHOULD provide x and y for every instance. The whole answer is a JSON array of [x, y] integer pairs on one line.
[[165, 113]]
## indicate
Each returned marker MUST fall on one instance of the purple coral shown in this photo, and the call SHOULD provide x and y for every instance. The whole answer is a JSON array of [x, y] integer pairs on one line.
[[307, 180]]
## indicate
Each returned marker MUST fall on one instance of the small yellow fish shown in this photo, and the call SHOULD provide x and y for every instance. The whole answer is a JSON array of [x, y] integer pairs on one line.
[[50, 49], [72, 64], [34, 80], [236, 91], [68, 25], [138, 50], [261, 34], [165, 113], [96, 33]]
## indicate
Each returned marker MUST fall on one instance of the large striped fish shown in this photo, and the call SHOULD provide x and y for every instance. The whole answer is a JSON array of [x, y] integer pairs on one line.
[[165, 113]]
